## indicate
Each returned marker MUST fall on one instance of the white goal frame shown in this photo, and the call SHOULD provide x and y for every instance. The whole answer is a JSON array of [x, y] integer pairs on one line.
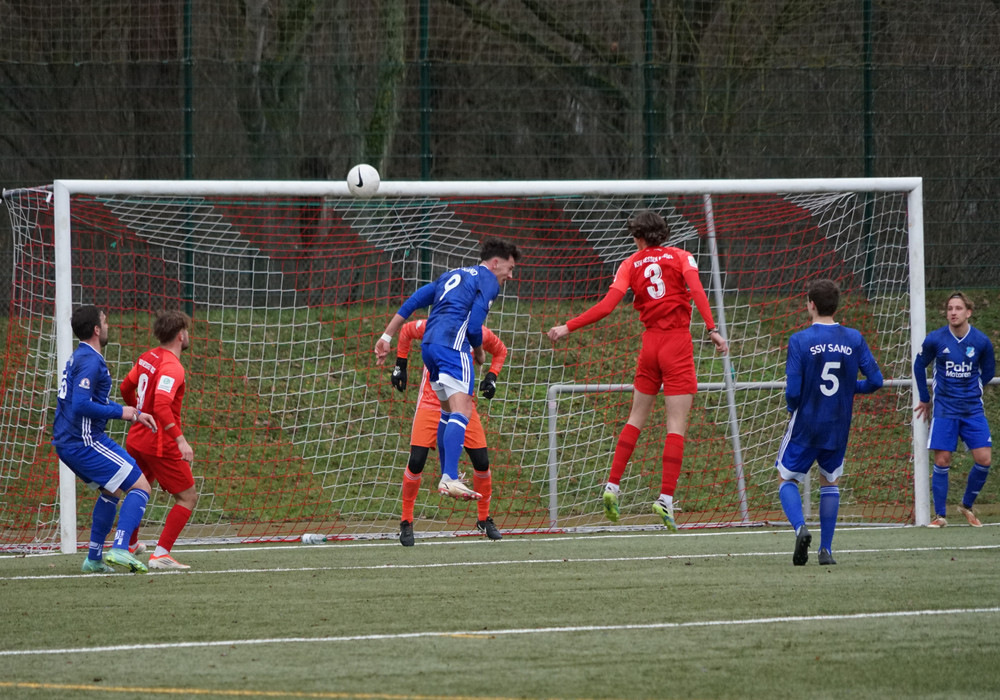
[[912, 186]]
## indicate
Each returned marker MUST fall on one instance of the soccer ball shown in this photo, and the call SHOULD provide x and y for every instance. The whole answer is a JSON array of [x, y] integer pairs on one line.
[[363, 180]]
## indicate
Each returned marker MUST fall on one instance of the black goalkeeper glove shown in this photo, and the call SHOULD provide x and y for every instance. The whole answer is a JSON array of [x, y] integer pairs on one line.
[[488, 386], [399, 374]]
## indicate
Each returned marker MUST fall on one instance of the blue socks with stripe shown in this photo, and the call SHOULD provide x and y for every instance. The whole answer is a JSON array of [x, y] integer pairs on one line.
[[450, 444], [829, 506], [977, 477], [939, 488], [791, 503], [100, 525], [133, 508]]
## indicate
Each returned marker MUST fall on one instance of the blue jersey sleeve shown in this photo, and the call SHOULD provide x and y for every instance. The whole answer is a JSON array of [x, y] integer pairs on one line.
[[928, 351], [869, 367], [793, 375], [488, 291], [987, 363], [88, 379], [420, 299]]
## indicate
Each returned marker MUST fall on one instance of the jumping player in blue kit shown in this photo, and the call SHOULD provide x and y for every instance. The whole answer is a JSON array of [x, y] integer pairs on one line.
[[459, 300], [822, 379], [964, 363], [82, 412]]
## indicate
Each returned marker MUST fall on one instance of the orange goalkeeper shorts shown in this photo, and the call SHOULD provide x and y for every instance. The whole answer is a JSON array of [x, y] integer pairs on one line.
[[667, 358], [173, 473], [425, 429]]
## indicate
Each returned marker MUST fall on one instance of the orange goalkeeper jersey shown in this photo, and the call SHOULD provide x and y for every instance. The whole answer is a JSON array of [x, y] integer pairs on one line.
[[414, 330], [156, 385]]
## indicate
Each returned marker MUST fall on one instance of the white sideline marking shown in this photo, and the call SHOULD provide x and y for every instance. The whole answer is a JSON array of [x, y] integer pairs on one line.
[[496, 562], [519, 539], [513, 631]]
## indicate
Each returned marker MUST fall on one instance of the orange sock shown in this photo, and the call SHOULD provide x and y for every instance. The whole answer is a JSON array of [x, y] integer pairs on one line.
[[673, 454], [411, 487], [483, 483]]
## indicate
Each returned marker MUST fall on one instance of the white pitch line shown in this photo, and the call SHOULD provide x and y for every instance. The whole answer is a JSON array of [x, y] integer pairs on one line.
[[505, 632], [496, 562], [474, 540]]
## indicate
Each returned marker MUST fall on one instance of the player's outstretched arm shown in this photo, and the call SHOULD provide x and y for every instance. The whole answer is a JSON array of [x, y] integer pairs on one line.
[[592, 315], [557, 333], [384, 344], [419, 299]]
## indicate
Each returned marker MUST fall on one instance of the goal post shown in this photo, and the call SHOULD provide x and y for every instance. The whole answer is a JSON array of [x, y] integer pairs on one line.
[[290, 283]]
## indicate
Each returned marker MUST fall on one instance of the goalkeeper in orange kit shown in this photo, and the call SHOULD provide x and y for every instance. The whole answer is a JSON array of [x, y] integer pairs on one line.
[[427, 423]]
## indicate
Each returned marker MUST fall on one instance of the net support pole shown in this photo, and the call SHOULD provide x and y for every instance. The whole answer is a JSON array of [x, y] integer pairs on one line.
[[918, 329], [552, 395], [727, 365], [64, 349]]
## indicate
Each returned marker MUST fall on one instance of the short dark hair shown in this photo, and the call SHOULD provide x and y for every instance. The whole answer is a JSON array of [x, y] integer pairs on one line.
[[959, 295], [496, 248], [84, 320], [825, 294], [648, 226], [169, 323]]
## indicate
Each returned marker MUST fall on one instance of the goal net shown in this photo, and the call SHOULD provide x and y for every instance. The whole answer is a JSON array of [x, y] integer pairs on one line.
[[289, 284]]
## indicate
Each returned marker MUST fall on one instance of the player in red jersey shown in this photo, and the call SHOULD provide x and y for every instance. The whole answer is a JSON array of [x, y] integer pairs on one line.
[[663, 280], [427, 423], [156, 385]]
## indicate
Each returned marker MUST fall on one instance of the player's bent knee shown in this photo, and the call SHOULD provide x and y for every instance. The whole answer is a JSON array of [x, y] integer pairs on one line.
[[418, 458], [480, 458]]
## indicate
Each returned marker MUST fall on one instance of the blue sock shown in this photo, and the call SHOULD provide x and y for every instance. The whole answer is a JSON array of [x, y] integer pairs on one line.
[[829, 505], [454, 441], [977, 477], [133, 508], [791, 503], [100, 525], [442, 424], [939, 487]]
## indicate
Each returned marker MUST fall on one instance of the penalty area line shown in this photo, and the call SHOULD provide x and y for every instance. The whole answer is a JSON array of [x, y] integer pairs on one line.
[[791, 619]]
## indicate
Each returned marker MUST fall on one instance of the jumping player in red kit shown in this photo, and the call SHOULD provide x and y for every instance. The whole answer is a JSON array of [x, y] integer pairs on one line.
[[663, 280]]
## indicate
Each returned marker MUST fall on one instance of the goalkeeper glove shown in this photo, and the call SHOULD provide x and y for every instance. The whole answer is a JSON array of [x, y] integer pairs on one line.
[[488, 386], [399, 374]]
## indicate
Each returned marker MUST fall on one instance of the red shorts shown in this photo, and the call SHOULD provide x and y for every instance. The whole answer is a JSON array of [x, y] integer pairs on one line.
[[173, 473], [425, 429], [667, 358]]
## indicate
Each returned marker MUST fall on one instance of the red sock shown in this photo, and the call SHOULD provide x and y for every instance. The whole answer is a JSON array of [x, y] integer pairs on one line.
[[623, 452], [483, 483], [177, 518], [134, 539], [673, 454], [411, 488]]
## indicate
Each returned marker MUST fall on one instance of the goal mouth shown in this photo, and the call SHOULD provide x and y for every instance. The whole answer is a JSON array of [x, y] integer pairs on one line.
[[289, 285]]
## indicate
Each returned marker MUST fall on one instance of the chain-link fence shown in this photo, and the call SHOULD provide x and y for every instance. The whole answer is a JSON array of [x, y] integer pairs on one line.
[[492, 89]]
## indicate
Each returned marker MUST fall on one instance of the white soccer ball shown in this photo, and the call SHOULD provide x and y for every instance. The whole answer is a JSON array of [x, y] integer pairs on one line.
[[363, 180]]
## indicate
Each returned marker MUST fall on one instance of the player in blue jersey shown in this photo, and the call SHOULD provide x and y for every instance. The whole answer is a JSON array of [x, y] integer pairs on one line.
[[822, 379], [82, 411], [964, 363], [459, 300]]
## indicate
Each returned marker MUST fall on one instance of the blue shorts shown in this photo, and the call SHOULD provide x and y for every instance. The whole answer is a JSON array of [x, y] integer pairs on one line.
[[452, 368], [794, 461], [102, 464], [945, 432]]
